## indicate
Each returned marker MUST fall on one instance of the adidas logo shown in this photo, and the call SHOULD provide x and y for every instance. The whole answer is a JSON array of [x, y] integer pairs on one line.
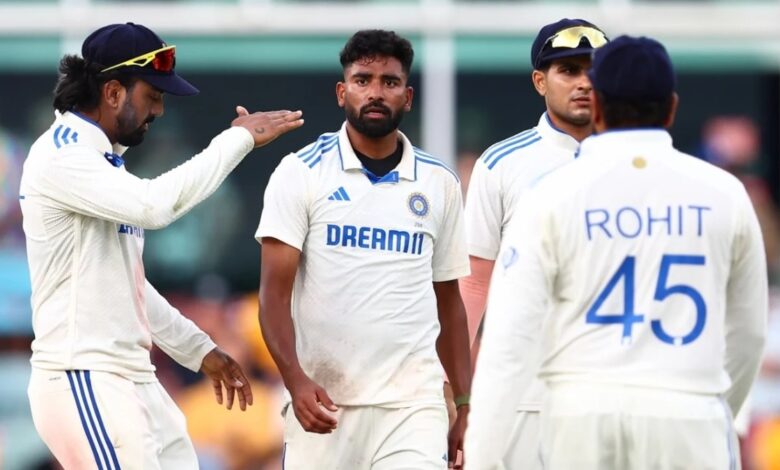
[[339, 195]]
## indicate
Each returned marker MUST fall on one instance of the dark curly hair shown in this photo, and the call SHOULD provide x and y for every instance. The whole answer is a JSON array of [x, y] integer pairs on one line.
[[373, 43], [79, 83]]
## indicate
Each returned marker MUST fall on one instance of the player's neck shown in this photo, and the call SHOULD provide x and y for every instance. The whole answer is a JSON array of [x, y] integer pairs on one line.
[[100, 118], [372, 147], [579, 133]]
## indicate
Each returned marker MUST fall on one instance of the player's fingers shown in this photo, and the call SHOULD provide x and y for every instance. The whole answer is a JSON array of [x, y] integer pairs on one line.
[[231, 394], [320, 416], [452, 450], [310, 423], [244, 389], [324, 398], [241, 111], [217, 384]]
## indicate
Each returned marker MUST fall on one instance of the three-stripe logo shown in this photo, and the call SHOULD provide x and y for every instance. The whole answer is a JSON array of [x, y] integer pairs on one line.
[[339, 195]]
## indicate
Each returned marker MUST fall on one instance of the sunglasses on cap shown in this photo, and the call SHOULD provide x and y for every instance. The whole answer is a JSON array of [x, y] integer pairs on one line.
[[571, 37], [162, 60]]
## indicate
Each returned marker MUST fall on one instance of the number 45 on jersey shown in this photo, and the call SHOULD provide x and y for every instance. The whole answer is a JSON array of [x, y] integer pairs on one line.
[[625, 274]]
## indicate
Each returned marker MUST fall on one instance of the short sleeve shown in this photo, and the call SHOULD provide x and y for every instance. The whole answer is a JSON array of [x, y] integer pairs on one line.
[[484, 213], [450, 256], [285, 213]]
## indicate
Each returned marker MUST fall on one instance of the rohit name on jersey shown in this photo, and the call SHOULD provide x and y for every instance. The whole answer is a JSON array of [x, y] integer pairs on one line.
[[375, 238], [631, 222]]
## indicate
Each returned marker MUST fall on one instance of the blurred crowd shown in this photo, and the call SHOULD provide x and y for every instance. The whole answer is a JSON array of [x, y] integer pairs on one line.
[[232, 440]]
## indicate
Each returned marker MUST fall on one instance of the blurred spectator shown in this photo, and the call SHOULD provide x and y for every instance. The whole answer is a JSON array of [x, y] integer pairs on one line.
[[231, 440], [465, 164], [734, 144]]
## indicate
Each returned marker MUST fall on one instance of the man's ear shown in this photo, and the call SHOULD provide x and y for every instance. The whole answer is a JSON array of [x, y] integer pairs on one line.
[[539, 79], [340, 92], [672, 111], [114, 93], [409, 99]]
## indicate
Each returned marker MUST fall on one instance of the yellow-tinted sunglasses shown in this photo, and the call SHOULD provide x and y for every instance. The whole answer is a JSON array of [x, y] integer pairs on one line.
[[162, 60], [571, 37]]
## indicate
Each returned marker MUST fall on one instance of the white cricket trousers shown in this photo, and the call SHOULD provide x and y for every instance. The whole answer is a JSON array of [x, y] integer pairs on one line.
[[371, 438], [101, 420], [523, 452], [590, 426]]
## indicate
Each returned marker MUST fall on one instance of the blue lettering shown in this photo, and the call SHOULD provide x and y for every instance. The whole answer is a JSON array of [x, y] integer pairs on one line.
[[349, 236], [679, 220], [378, 238], [600, 224], [334, 234], [396, 239], [363, 236], [637, 217], [667, 220], [374, 238], [699, 210]]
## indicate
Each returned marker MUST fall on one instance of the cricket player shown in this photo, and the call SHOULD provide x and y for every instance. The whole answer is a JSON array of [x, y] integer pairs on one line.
[[653, 264], [362, 245], [560, 56], [95, 399]]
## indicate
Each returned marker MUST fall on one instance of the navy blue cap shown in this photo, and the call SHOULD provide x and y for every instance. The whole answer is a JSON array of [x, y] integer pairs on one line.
[[633, 68], [116, 43], [542, 56]]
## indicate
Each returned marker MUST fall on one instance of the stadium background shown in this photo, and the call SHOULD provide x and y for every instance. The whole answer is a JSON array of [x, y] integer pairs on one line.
[[471, 77]]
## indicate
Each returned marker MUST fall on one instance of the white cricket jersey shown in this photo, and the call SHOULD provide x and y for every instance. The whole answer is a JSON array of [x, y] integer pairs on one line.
[[84, 219], [364, 308], [502, 174], [654, 265]]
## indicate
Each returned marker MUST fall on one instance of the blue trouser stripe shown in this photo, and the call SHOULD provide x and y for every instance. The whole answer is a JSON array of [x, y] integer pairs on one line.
[[83, 421], [100, 444], [100, 421]]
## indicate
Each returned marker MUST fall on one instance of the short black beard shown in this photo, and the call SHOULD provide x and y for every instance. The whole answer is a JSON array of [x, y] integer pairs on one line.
[[127, 135], [373, 128]]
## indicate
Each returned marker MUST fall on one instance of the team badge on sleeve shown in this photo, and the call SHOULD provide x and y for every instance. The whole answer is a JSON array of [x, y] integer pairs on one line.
[[418, 204]]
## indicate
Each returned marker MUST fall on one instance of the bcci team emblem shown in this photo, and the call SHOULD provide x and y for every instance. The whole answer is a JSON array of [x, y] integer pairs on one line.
[[418, 204]]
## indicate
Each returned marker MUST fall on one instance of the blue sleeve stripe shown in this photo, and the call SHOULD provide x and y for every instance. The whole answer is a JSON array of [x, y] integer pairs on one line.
[[499, 145], [325, 148], [56, 136], [508, 151], [499, 151], [315, 146], [434, 162]]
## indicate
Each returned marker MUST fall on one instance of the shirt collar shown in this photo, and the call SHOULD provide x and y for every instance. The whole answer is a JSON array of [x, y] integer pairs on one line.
[[634, 140], [350, 161], [550, 133], [89, 131]]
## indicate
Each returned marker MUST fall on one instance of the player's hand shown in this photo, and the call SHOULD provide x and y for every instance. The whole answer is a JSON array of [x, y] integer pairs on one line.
[[455, 438], [224, 371], [308, 401], [267, 126]]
